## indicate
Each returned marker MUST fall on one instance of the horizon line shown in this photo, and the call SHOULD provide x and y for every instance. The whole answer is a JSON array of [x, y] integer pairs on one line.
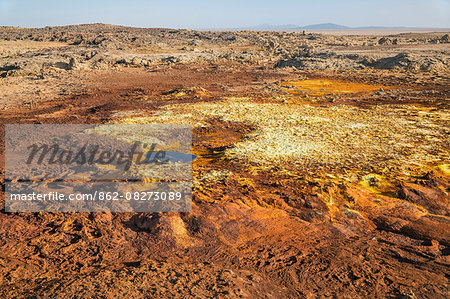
[[251, 27]]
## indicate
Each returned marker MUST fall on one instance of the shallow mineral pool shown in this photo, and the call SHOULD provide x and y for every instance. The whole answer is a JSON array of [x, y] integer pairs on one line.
[[170, 156], [319, 87]]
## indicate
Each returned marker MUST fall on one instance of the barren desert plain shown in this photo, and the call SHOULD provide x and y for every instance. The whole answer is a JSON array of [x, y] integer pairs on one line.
[[322, 170]]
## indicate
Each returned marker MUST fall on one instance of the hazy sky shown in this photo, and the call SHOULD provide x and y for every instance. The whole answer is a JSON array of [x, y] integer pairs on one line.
[[226, 13]]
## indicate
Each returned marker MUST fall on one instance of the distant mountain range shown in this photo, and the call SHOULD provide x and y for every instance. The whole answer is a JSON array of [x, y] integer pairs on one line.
[[323, 26]]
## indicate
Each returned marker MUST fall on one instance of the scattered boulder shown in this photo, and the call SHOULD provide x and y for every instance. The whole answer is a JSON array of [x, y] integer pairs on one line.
[[136, 61], [73, 64], [385, 41]]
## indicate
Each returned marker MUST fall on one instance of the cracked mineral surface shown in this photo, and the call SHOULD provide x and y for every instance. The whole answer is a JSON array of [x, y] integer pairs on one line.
[[322, 163]]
